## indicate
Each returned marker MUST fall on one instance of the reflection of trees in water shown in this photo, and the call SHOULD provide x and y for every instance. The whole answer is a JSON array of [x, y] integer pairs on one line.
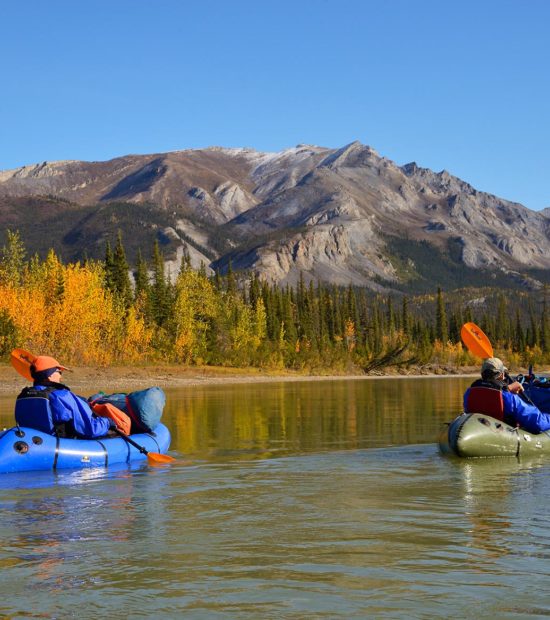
[[258, 421], [7, 404]]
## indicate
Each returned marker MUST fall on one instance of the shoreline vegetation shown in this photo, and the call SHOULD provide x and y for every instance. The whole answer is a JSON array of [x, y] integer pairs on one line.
[[92, 314], [87, 380]]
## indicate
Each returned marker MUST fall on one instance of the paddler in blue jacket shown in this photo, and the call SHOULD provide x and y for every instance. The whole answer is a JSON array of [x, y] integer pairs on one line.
[[493, 396], [69, 412]]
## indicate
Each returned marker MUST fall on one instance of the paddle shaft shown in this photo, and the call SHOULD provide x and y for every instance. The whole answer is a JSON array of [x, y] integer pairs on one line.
[[132, 442], [152, 457], [524, 397]]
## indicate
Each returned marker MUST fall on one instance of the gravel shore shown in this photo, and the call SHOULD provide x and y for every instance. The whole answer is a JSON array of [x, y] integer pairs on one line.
[[125, 379]]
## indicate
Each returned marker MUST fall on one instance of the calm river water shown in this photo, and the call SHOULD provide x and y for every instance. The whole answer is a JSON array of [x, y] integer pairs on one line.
[[288, 500]]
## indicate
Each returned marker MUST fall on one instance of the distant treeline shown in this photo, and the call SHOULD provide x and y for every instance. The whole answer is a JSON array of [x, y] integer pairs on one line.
[[93, 312]]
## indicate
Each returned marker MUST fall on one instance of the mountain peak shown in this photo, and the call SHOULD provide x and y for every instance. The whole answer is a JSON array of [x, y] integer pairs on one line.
[[352, 155], [325, 212]]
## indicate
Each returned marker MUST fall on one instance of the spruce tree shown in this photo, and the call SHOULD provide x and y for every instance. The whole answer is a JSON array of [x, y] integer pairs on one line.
[[60, 283], [501, 326], [351, 305], [544, 327], [363, 310], [217, 280], [120, 273], [291, 333], [376, 331], [312, 327], [519, 336], [441, 331], [271, 322], [405, 317], [321, 313], [141, 278], [330, 319], [231, 282], [534, 334], [254, 290], [12, 259], [338, 318], [275, 312], [390, 318], [456, 321], [185, 264], [159, 288], [109, 267]]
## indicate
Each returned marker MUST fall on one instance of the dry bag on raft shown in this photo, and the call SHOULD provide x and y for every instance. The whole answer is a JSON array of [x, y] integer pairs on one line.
[[539, 394], [144, 407], [108, 410]]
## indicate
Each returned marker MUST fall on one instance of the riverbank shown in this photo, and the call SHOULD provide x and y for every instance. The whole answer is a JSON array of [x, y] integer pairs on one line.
[[86, 380]]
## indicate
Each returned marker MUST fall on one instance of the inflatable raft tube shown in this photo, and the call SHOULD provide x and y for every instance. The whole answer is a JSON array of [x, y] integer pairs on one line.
[[26, 449], [479, 435]]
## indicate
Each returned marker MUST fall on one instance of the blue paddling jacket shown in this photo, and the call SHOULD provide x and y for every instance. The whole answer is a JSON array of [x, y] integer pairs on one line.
[[493, 398], [51, 407]]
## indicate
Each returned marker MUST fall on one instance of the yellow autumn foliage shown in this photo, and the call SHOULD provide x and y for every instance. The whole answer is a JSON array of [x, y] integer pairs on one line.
[[27, 310], [85, 314], [194, 307], [65, 311]]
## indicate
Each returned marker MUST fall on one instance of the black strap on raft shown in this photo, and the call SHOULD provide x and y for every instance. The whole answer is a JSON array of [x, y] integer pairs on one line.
[[153, 437], [105, 452], [519, 441], [56, 455]]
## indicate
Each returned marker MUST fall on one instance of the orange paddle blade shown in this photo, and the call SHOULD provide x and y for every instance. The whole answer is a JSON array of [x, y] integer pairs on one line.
[[476, 341], [157, 458], [22, 360]]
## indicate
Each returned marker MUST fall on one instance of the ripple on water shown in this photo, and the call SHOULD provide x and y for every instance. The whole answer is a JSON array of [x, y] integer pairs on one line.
[[396, 532]]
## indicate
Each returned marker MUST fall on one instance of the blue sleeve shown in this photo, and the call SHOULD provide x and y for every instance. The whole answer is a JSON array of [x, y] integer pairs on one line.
[[67, 406], [527, 416]]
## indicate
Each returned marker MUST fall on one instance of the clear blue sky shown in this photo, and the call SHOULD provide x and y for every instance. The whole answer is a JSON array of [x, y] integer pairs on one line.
[[461, 85]]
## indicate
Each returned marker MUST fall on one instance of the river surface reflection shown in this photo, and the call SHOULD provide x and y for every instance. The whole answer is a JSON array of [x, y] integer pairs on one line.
[[262, 421], [289, 500]]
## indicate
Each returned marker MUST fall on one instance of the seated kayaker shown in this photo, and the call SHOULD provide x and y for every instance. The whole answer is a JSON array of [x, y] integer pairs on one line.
[[51, 407], [493, 396]]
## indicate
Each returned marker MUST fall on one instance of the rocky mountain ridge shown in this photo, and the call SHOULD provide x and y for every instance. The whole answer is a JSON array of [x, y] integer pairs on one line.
[[343, 215]]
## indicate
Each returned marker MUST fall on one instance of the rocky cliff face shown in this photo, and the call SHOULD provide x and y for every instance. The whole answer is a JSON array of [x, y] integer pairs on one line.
[[326, 213]]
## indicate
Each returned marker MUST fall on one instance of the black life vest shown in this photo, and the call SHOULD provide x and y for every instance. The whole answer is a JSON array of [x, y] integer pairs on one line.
[[32, 409]]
